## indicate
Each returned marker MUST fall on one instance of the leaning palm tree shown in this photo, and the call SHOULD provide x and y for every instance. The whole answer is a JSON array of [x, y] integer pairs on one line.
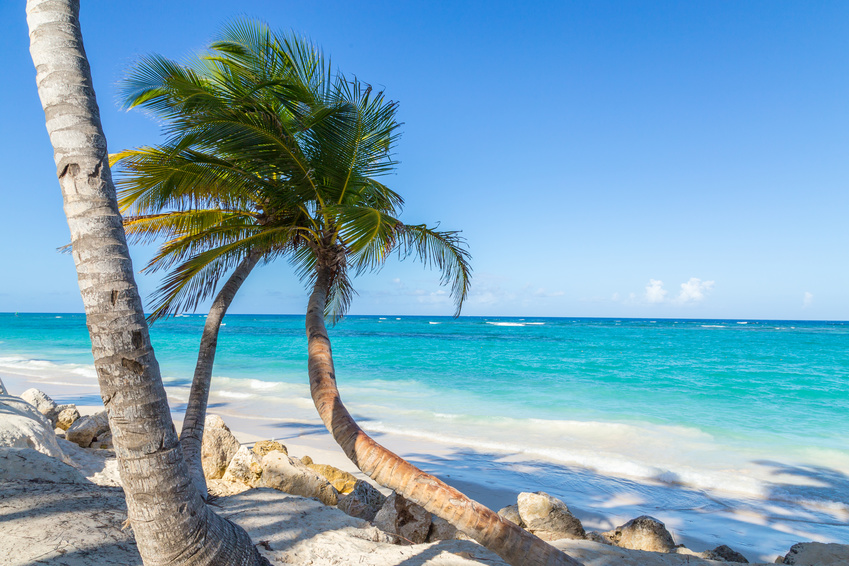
[[308, 148], [171, 523]]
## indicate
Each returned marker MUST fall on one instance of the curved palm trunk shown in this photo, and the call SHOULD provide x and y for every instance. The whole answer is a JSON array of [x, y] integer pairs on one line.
[[171, 523], [515, 545], [191, 435], [3, 388]]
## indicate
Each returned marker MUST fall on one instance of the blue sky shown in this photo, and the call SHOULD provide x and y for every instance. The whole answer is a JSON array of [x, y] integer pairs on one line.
[[625, 159]]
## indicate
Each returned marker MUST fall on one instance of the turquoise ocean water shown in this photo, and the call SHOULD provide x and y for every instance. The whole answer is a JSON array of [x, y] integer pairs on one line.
[[757, 408]]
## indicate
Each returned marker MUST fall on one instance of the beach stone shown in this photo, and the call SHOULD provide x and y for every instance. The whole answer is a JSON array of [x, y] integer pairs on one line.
[[263, 447], [103, 442], [818, 554], [306, 460], [42, 402], [283, 473], [548, 517], [342, 481], [22, 426], [86, 429], [245, 466], [596, 536], [642, 533], [218, 447], [403, 518], [724, 553], [440, 529], [225, 487], [29, 465], [511, 513], [363, 502], [66, 416]]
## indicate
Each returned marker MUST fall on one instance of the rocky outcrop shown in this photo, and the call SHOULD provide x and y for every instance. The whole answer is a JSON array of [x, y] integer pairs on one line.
[[440, 529], [817, 554], [263, 447], [403, 518], [511, 513], [66, 416], [724, 553], [283, 473], [28, 465], [363, 502], [342, 481], [103, 442], [22, 426], [218, 448], [548, 517], [43, 404], [87, 429], [245, 467], [642, 533]]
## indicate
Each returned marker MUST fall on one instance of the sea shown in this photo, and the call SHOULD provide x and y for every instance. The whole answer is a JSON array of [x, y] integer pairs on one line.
[[703, 418]]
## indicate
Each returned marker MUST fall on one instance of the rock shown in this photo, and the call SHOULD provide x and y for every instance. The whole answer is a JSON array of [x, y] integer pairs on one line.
[[67, 416], [511, 513], [103, 442], [282, 473], [642, 533], [363, 502], [596, 536], [225, 487], [342, 481], [263, 447], [440, 529], [26, 464], [218, 448], [724, 553], [306, 460], [22, 426], [245, 467], [86, 429], [41, 401], [548, 518], [404, 519], [818, 554]]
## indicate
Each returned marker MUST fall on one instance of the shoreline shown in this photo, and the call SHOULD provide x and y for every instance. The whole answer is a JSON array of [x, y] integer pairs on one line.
[[698, 519]]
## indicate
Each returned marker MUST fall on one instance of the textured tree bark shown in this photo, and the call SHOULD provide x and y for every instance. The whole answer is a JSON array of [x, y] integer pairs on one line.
[[515, 545], [3, 388], [171, 523], [191, 435]]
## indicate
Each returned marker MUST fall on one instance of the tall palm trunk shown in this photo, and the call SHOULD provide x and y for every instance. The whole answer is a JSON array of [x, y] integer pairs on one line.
[[191, 435], [171, 523], [515, 545]]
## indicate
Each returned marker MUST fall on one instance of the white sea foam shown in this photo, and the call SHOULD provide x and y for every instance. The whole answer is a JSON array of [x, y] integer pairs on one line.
[[713, 326], [506, 323], [431, 322]]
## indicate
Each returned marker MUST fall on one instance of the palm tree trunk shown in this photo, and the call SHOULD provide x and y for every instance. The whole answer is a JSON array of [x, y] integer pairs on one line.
[[171, 523], [191, 435], [3, 388], [515, 545]]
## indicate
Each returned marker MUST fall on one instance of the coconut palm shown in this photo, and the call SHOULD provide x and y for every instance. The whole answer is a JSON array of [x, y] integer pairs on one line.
[[171, 523], [260, 130]]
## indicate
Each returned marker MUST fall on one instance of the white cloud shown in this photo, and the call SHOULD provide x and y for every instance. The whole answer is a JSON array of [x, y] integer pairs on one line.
[[694, 290], [807, 299], [614, 297], [655, 293]]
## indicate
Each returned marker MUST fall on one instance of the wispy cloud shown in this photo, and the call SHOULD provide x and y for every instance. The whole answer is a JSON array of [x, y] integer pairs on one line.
[[694, 290], [655, 293], [807, 299]]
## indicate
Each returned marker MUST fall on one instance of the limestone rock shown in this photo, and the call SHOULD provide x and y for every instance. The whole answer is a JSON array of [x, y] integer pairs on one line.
[[86, 429], [245, 467], [511, 513], [281, 472], [548, 518], [342, 481], [41, 401], [724, 553], [225, 487], [596, 536], [440, 529], [26, 464], [818, 554], [403, 518], [67, 416], [263, 447], [642, 533], [363, 502], [22, 426], [306, 460], [103, 442], [218, 448]]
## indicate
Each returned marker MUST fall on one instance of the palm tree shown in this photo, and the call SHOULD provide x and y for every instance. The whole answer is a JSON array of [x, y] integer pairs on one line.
[[308, 148], [171, 523]]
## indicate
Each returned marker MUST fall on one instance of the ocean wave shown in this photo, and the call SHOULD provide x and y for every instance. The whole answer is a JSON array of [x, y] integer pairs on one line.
[[507, 323], [45, 368]]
